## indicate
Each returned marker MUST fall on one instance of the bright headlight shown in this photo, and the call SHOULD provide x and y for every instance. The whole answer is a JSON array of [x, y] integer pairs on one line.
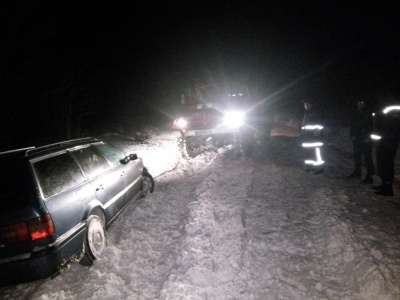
[[375, 137], [180, 124], [234, 118]]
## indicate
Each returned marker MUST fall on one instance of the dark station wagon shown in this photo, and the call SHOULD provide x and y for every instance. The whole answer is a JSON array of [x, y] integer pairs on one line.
[[56, 202]]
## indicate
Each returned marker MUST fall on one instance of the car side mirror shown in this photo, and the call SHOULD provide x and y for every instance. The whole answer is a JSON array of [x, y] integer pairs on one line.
[[125, 160], [128, 158]]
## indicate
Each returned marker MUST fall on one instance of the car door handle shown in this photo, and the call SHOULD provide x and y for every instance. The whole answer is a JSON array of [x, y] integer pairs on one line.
[[99, 188]]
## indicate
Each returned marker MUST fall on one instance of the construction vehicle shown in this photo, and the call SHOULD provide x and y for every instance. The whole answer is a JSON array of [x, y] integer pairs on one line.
[[215, 116]]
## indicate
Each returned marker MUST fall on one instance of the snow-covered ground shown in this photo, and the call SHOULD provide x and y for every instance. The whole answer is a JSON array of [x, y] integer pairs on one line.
[[225, 227]]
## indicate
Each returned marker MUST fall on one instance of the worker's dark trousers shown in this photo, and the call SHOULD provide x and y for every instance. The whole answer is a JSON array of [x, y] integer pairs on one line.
[[363, 151], [313, 155], [385, 155]]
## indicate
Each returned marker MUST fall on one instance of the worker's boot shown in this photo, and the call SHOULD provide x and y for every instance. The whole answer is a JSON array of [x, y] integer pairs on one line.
[[367, 180], [386, 190], [354, 175], [378, 187]]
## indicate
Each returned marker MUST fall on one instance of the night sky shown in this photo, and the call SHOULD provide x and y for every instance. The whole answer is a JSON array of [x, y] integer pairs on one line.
[[68, 66]]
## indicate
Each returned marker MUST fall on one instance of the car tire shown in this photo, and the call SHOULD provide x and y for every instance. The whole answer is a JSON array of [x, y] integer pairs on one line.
[[147, 183], [248, 148], [247, 140], [95, 240], [193, 149]]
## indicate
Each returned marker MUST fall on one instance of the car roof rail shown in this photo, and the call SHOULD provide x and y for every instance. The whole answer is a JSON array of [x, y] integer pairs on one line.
[[17, 150], [58, 145]]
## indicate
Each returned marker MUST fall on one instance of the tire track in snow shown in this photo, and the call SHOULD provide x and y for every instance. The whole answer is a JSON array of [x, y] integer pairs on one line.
[[301, 239], [212, 251]]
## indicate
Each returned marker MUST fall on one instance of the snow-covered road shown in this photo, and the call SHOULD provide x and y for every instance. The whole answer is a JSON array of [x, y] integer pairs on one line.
[[220, 227]]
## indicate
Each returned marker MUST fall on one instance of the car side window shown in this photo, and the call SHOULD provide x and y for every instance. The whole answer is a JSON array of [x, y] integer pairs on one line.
[[57, 173], [91, 161], [112, 154]]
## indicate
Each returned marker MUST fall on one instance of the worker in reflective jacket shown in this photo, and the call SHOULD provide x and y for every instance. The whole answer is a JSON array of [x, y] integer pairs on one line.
[[312, 134], [387, 137]]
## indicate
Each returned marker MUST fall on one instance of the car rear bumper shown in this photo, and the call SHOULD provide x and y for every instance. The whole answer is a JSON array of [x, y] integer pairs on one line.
[[41, 264]]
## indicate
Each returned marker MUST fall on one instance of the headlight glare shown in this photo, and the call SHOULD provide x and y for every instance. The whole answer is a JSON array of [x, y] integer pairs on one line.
[[180, 123], [234, 118]]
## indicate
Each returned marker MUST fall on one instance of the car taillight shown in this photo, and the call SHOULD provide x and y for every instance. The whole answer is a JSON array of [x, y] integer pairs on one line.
[[28, 231]]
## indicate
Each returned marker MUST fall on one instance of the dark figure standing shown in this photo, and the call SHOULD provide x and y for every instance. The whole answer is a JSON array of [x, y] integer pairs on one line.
[[387, 135], [360, 133], [312, 134], [269, 118]]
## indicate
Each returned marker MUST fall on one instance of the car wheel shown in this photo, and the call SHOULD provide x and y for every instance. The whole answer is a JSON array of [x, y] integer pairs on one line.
[[95, 240], [247, 140], [147, 183], [248, 148], [193, 149]]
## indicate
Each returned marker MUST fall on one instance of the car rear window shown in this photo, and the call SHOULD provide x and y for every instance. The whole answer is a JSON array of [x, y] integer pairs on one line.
[[13, 192], [57, 174]]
